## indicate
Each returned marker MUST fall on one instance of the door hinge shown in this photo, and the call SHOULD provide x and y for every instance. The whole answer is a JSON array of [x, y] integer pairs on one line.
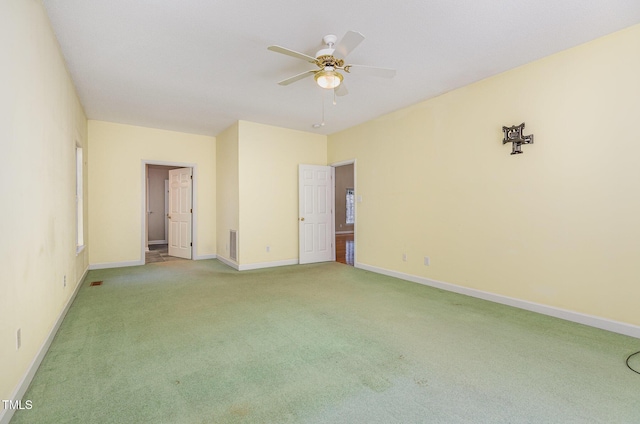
[[190, 244], [191, 210], [191, 176]]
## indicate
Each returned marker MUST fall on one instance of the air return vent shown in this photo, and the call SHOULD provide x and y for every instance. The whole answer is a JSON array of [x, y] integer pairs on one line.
[[233, 245]]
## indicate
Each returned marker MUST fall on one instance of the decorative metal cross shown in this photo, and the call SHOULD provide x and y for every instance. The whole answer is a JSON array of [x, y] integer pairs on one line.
[[514, 135]]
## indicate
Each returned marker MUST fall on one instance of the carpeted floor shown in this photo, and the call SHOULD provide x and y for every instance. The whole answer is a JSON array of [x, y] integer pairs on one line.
[[198, 342]]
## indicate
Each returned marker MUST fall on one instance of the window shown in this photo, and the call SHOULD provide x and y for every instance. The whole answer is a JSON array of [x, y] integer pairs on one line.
[[350, 207], [79, 202]]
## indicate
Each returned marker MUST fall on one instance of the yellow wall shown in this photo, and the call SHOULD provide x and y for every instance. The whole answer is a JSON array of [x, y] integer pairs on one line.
[[557, 225], [115, 177], [227, 192], [268, 165], [41, 120]]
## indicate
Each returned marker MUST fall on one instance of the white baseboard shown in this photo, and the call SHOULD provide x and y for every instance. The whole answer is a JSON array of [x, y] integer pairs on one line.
[[256, 265], [344, 232], [157, 242], [21, 389], [203, 257], [228, 262], [590, 320], [105, 265], [261, 265]]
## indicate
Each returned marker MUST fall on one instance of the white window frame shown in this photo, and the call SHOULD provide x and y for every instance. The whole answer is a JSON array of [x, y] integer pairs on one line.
[[79, 200], [350, 204]]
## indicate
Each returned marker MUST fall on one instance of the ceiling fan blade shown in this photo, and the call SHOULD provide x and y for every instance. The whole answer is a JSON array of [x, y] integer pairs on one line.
[[296, 77], [372, 70], [349, 42], [292, 53], [341, 90]]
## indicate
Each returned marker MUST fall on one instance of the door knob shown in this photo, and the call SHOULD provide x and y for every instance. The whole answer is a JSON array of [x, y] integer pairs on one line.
[[302, 219]]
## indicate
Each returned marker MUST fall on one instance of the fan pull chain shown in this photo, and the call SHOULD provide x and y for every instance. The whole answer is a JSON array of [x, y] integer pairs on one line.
[[322, 123]]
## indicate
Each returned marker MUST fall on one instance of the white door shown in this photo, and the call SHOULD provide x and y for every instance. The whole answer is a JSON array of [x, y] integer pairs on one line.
[[180, 212], [316, 221]]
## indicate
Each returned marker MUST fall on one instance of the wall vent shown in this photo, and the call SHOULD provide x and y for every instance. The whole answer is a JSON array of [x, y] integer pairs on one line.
[[233, 245]]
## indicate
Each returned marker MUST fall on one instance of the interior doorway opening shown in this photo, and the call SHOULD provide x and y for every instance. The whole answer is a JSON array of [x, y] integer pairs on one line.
[[345, 212], [158, 203], [163, 239]]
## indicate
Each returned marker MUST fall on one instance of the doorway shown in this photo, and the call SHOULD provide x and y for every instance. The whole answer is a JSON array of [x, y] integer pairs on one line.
[[158, 203], [345, 212], [159, 224]]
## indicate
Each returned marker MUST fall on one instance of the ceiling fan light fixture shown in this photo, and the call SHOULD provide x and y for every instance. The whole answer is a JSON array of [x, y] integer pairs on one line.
[[328, 79]]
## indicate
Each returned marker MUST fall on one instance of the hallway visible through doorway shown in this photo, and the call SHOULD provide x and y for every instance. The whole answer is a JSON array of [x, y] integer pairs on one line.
[[159, 253], [345, 216], [345, 248]]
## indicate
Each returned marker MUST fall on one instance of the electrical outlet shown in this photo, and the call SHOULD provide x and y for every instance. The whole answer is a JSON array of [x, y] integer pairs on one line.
[[18, 339], [427, 261], [64, 281], [268, 249], [226, 247], [404, 257]]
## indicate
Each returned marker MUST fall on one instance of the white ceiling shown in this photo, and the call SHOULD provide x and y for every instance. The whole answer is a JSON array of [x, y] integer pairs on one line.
[[199, 65]]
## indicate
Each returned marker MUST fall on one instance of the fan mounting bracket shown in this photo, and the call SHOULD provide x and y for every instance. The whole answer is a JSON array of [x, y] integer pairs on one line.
[[330, 40]]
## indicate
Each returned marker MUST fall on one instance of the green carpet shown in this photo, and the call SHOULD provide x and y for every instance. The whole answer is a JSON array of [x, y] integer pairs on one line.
[[198, 342]]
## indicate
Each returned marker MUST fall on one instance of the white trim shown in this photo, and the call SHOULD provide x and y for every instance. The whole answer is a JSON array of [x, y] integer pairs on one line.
[[256, 265], [204, 257], [80, 209], [333, 213], [590, 320], [194, 213], [260, 265], [194, 205], [343, 163], [166, 210], [21, 389], [344, 232], [228, 262], [105, 265]]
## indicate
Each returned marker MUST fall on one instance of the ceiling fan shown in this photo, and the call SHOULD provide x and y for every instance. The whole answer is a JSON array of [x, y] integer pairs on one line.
[[331, 59]]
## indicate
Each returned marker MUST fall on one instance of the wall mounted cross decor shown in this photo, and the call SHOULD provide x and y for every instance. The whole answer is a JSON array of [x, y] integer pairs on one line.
[[514, 135]]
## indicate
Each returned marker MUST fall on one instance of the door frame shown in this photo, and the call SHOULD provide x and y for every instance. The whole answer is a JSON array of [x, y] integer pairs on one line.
[[355, 212], [143, 204], [166, 210]]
